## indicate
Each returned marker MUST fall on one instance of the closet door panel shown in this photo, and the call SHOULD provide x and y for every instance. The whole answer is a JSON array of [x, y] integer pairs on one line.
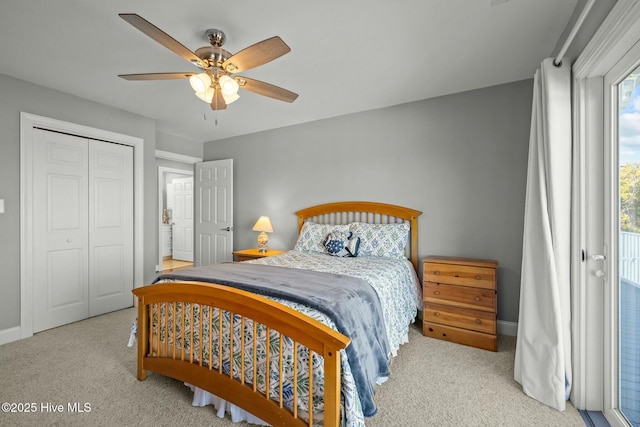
[[110, 227], [60, 272]]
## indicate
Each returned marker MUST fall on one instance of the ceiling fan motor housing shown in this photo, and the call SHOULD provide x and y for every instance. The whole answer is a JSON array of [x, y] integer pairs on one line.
[[213, 56]]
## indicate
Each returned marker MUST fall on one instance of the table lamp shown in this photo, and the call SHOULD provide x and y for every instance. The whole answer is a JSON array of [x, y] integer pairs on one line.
[[263, 225]]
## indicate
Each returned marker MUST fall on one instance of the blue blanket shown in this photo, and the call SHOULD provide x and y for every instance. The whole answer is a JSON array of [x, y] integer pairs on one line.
[[350, 302]]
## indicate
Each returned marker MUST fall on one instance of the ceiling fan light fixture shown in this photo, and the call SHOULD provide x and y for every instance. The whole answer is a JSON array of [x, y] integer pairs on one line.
[[230, 98], [207, 95], [228, 85], [200, 82]]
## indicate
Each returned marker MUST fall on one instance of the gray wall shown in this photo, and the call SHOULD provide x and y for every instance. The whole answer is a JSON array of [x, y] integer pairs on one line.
[[178, 144], [460, 159], [17, 96]]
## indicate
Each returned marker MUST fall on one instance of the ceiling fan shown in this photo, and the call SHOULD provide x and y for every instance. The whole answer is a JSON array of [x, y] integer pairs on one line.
[[216, 83]]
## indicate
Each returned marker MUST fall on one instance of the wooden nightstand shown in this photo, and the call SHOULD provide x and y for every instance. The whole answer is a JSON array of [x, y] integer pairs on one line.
[[460, 301], [253, 253]]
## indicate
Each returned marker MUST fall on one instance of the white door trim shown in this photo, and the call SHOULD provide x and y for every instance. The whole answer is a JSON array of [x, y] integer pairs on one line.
[[168, 155], [616, 35], [27, 123]]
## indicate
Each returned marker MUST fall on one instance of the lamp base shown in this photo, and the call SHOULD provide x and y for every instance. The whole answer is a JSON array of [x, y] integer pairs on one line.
[[263, 239]]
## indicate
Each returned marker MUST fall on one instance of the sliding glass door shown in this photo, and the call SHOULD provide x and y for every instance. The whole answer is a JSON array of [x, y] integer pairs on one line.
[[622, 231], [627, 140]]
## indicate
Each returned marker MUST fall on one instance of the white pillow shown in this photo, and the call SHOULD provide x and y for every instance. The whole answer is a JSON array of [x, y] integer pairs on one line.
[[382, 240], [313, 235]]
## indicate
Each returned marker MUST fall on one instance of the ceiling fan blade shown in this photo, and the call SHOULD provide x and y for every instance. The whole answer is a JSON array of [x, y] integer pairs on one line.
[[161, 37], [218, 102], [255, 55], [156, 76], [266, 89]]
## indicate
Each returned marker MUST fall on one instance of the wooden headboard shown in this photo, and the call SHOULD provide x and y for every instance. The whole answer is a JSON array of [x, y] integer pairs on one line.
[[369, 212]]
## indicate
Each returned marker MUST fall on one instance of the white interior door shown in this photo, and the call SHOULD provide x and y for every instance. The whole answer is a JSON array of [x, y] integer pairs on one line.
[[60, 251], [182, 221], [110, 227], [214, 212]]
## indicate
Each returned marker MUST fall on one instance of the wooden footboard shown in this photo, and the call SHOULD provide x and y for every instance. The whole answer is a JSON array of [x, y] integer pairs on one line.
[[180, 335]]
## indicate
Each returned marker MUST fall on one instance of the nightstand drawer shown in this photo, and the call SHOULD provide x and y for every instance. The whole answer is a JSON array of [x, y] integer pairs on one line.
[[460, 336], [478, 277], [460, 296], [481, 321]]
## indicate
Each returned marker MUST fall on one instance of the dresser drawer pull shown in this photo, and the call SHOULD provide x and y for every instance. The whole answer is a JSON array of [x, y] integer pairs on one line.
[[436, 292], [478, 321], [477, 298], [478, 277], [436, 273], [437, 313]]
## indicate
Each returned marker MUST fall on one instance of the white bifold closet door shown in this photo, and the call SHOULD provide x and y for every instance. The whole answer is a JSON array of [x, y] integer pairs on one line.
[[83, 228]]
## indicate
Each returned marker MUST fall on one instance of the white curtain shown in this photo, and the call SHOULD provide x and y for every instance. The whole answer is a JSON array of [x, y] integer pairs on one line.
[[543, 346]]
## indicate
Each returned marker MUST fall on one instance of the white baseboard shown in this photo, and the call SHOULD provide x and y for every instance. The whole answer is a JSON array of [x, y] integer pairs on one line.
[[9, 335], [507, 328]]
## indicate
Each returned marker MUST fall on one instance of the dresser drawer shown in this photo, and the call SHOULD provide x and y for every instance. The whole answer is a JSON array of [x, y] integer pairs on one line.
[[460, 336], [466, 275], [460, 296], [475, 320]]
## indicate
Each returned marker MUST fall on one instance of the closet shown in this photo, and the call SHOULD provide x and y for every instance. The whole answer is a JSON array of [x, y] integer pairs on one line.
[[83, 228]]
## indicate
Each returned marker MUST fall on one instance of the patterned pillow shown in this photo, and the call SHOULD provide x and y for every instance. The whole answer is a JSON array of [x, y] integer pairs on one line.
[[313, 235], [342, 244], [383, 240]]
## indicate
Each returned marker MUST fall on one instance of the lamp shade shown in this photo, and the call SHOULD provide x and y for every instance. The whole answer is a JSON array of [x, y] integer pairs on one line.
[[228, 85], [200, 82], [263, 224], [230, 98], [207, 95]]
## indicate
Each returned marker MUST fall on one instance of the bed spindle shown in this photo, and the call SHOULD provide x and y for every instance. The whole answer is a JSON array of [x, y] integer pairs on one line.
[[182, 332], [231, 318], [310, 388], [255, 355], [295, 380], [174, 348], [220, 316], [242, 350], [210, 310], [191, 308], [280, 379], [268, 364]]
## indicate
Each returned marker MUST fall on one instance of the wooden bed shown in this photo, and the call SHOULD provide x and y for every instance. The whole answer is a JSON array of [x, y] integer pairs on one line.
[[194, 367]]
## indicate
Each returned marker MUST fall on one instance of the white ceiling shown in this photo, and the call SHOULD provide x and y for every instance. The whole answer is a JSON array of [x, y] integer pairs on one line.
[[346, 56]]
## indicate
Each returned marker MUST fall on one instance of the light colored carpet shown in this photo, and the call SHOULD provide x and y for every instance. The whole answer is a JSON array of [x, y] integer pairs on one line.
[[432, 383]]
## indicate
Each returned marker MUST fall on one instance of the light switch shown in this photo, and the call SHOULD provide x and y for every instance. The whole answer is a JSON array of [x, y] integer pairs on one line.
[[1, 205]]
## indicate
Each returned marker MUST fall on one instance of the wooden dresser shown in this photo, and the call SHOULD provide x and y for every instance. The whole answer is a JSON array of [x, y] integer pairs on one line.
[[460, 300]]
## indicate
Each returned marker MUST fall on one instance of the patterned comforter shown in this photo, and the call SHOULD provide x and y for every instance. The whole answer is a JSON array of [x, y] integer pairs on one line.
[[396, 284]]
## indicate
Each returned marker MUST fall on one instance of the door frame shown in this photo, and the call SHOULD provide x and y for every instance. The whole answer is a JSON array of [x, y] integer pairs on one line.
[[27, 122], [161, 171], [617, 34], [174, 157]]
